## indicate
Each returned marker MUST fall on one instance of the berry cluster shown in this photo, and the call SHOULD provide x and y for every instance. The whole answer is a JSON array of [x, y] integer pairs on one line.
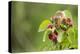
[[60, 22]]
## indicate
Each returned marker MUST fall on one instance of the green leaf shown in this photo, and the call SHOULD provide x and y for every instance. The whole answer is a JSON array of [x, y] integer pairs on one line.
[[46, 34], [65, 44], [63, 26], [44, 25], [67, 13], [72, 38], [60, 37]]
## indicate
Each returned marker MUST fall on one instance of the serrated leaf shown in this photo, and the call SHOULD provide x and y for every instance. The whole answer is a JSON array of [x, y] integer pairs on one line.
[[65, 44], [67, 13], [44, 25]]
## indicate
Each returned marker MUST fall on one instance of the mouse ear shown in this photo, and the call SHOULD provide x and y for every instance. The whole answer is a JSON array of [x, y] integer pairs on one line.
[[52, 18], [68, 14]]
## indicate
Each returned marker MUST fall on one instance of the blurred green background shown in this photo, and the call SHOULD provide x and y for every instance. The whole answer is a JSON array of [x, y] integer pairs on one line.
[[25, 20]]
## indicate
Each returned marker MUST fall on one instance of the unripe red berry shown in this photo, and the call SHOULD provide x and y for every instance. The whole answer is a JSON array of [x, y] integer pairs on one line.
[[69, 22], [53, 37], [50, 36], [56, 32], [50, 26], [64, 21]]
